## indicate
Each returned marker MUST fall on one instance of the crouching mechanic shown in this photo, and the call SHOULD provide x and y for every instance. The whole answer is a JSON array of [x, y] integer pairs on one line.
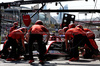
[[12, 41], [87, 53], [36, 34], [79, 38], [14, 27]]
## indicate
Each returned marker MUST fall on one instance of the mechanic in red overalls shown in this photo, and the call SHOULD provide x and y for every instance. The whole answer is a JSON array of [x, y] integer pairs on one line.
[[62, 30], [79, 38], [91, 37], [15, 25], [69, 45], [72, 25], [65, 29], [12, 40], [36, 34]]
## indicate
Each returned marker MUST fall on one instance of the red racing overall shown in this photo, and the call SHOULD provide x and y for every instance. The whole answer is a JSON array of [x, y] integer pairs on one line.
[[79, 38], [36, 34]]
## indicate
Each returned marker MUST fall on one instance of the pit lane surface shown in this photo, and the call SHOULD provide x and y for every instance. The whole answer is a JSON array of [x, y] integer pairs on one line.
[[55, 62]]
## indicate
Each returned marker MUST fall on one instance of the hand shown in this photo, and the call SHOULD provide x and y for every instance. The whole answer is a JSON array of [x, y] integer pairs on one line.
[[45, 43], [67, 50]]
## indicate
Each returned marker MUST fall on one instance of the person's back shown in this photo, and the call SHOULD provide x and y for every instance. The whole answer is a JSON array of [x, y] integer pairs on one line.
[[16, 34], [91, 37], [74, 31], [89, 33], [36, 33], [79, 39], [12, 40], [37, 29]]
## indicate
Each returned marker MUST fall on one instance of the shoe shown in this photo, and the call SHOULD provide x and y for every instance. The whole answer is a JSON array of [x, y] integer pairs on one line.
[[41, 62], [74, 59], [10, 59], [96, 56], [31, 61]]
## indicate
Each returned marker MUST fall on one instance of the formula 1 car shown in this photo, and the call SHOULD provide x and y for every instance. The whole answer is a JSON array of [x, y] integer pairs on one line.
[[55, 46]]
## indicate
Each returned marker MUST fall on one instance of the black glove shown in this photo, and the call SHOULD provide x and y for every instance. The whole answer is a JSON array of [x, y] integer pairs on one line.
[[67, 50], [45, 43]]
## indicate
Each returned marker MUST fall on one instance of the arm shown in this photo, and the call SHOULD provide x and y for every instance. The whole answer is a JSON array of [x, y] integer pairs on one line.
[[27, 37], [48, 36], [17, 41], [23, 44], [68, 36], [10, 30], [46, 31], [30, 29], [66, 42], [22, 38]]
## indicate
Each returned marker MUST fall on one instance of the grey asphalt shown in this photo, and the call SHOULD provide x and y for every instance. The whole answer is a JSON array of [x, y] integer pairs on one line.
[[54, 62]]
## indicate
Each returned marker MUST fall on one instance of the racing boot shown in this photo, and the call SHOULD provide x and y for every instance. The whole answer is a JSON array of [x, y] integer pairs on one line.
[[41, 62], [10, 59], [31, 61], [74, 59]]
